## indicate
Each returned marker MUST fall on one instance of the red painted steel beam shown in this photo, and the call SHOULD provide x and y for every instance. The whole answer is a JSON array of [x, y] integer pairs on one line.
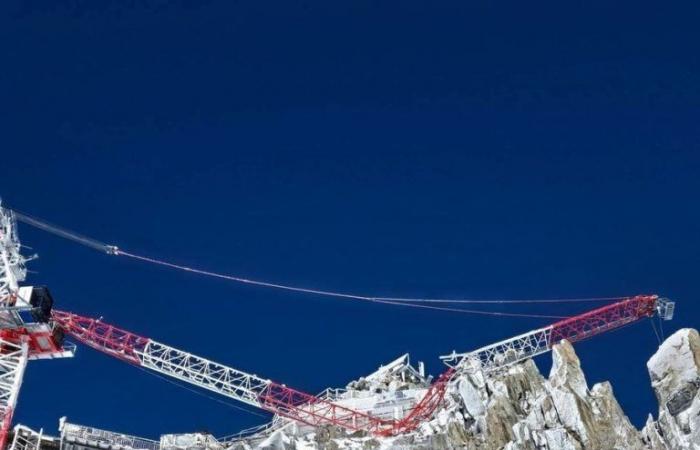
[[602, 319], [275, 398], [5, 427], [101, 336], [315, 411]]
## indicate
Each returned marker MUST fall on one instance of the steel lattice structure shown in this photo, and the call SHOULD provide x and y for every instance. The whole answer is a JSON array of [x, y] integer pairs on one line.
[[236, 384], [312, 410], [20, 341], [12, 269], [574, 329], [24, 438], [13, 360]]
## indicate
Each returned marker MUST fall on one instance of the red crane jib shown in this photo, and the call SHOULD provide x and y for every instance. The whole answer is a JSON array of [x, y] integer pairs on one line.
[[602, 319], [101, 336]]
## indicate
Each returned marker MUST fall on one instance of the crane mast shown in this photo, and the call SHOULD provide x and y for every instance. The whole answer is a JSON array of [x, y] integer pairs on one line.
[[25, 331], [13, 361]]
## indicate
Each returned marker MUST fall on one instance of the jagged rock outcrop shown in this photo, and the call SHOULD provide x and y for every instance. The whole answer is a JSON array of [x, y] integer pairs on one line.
[[519, 409], [675, 377]]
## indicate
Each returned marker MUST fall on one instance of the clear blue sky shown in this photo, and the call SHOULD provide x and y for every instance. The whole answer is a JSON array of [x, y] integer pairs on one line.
[[403, 148]]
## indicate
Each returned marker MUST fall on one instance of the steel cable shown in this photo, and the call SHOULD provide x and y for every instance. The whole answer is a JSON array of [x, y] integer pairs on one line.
[[394, 301]]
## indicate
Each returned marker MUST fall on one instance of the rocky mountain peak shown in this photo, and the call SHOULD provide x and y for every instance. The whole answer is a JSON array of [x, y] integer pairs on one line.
[[519, 409], [675, 376]]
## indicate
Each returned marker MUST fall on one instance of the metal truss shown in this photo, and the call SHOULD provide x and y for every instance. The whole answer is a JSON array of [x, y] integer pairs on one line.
[[503, 353], [202, 372], [24, 438], [319, 411], [81, 436], [12, 269], [13, 361], [573, 329], [247, 388]]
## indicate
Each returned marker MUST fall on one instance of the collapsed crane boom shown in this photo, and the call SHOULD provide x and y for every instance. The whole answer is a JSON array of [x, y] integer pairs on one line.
[[244, 387], [311, 410]]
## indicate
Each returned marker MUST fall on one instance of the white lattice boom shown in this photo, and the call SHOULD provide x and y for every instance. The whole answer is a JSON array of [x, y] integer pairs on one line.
[[202, 372]]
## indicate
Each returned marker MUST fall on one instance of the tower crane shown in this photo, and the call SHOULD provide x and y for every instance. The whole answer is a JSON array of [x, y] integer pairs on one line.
[[30, 328]]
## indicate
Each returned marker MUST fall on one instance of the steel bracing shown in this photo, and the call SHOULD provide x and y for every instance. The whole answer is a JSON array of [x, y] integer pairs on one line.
[[574, 329], [247, 388], [77, 436], [505, 352], [317, 411], [12, 269], [202, 372], [13, 360], [24, 438]]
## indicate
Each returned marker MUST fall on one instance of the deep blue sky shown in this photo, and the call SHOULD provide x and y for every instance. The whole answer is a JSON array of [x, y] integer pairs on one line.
[[402, 148]]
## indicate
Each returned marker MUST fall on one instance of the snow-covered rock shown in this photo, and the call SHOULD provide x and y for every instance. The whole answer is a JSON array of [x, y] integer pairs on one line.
[[519, 409], [675, 377]]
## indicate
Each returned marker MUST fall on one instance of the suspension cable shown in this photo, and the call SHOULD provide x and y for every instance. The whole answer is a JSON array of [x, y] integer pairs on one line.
[[395, 301], [61, 232]]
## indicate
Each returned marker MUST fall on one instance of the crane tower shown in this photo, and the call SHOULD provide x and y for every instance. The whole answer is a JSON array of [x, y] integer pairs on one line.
[[26, 331]]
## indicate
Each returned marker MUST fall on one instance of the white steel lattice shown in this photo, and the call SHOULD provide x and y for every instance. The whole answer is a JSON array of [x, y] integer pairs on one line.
[[12, 269], [202, 372], [13, 360], [26, 439], [78, 434], [503, 353], [573, 329]]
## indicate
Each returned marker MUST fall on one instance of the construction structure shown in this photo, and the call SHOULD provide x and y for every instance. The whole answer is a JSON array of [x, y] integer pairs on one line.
[[26, 329], [32, 329]]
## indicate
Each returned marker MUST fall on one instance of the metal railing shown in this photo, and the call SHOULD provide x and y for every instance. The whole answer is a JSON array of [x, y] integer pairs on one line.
[[80, 434]]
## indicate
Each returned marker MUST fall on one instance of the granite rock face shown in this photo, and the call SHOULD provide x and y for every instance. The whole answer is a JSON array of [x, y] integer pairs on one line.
[[520, 409], [675, 377]]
